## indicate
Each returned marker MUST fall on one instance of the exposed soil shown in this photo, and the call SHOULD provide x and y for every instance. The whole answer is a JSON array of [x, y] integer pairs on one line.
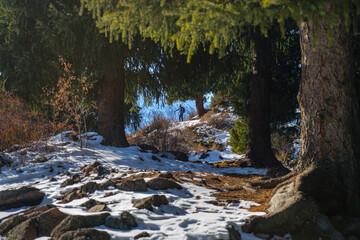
[[230, 188]]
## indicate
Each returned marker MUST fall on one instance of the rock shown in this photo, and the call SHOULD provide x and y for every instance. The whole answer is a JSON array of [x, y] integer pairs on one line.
[[52, 179], [204, 155], [90, 187], [94, 168], [180, 156], [42, 159], [155, 158], [109, 194], [85, 234], [36, 211], [148, 148], [98, 208], [24, 231], [233, 234], [49, 220], [74, 222], [90, 203], [72, 180], [72, 195], [149, 202], [168, 175], [125, 222], [67, 182], [162, 184], [138, 185], [10, 223], [4, 162], [25, 196], [142, 235]]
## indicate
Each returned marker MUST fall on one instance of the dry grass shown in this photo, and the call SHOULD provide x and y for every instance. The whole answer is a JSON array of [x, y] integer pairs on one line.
[[160, 135], [19, 125]]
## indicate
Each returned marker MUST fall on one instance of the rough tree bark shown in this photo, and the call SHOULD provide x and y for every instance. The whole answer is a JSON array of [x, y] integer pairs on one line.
[[260, 152], [327, 180], [111, 122], [200, 105]]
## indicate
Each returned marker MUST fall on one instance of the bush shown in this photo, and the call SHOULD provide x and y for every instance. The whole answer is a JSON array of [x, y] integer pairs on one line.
[[160, 135], [220, 121], [239, 136], [19, 125]]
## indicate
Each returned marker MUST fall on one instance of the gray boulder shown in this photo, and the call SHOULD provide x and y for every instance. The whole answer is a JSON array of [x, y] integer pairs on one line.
[[25, 196], [125, 222], [75, 222], [138, 185], [160, 183], [149, 202], [85, 234]]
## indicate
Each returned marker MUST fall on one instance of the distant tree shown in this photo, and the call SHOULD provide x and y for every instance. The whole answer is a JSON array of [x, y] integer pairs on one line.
[[188, 81], [175, 23], [36, 33]]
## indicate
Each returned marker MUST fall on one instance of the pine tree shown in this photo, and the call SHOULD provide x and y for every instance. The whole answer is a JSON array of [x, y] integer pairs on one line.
[[327, 176]]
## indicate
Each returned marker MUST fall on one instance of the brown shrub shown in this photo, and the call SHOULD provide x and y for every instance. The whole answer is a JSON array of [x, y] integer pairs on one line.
[[19, 125], [220, 121], [283, 147], [160, 135]]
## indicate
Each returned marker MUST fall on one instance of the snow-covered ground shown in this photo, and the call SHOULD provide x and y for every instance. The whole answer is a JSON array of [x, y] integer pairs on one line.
[[190, 213], [186, 217]]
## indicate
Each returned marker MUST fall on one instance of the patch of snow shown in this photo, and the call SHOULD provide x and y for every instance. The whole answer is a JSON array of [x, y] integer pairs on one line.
[[186, 217]]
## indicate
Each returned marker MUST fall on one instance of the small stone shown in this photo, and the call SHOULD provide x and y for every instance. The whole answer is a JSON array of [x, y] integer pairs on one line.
[[138, 185], [155, 158], [90, 203], [125, 222], [67, 182], [162, 184], [85, 234], [98, 208], [149, 202], [168, 175], [52, 179], [109, 194], [142, 235]]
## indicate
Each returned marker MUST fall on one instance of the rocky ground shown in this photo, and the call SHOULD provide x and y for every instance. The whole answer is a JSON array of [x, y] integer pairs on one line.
[[55, 190]]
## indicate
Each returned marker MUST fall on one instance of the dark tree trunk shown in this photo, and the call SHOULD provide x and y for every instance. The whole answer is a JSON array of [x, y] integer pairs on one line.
[[327, 176], [260, 152], [200, 105], [111, 122], [329, 130]]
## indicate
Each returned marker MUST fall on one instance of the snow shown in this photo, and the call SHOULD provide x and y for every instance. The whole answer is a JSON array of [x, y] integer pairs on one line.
[[189, 215]]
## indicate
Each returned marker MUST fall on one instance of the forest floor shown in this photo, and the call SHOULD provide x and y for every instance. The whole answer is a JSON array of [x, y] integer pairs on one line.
[[214, 194]]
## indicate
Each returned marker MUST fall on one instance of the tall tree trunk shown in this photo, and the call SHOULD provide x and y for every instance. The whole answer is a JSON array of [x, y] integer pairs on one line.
[[200, 105], [260, 152], [111, 122], [329, 113], [327, 176]]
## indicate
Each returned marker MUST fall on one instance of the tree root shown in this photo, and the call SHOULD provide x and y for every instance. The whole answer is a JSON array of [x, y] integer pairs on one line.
[[292, 211], [271, 183]]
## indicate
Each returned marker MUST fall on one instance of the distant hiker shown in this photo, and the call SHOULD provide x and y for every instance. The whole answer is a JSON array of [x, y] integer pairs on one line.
[[181, 111]]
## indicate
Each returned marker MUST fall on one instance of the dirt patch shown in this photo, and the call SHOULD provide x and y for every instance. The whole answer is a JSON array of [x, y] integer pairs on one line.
[[230, 188]]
